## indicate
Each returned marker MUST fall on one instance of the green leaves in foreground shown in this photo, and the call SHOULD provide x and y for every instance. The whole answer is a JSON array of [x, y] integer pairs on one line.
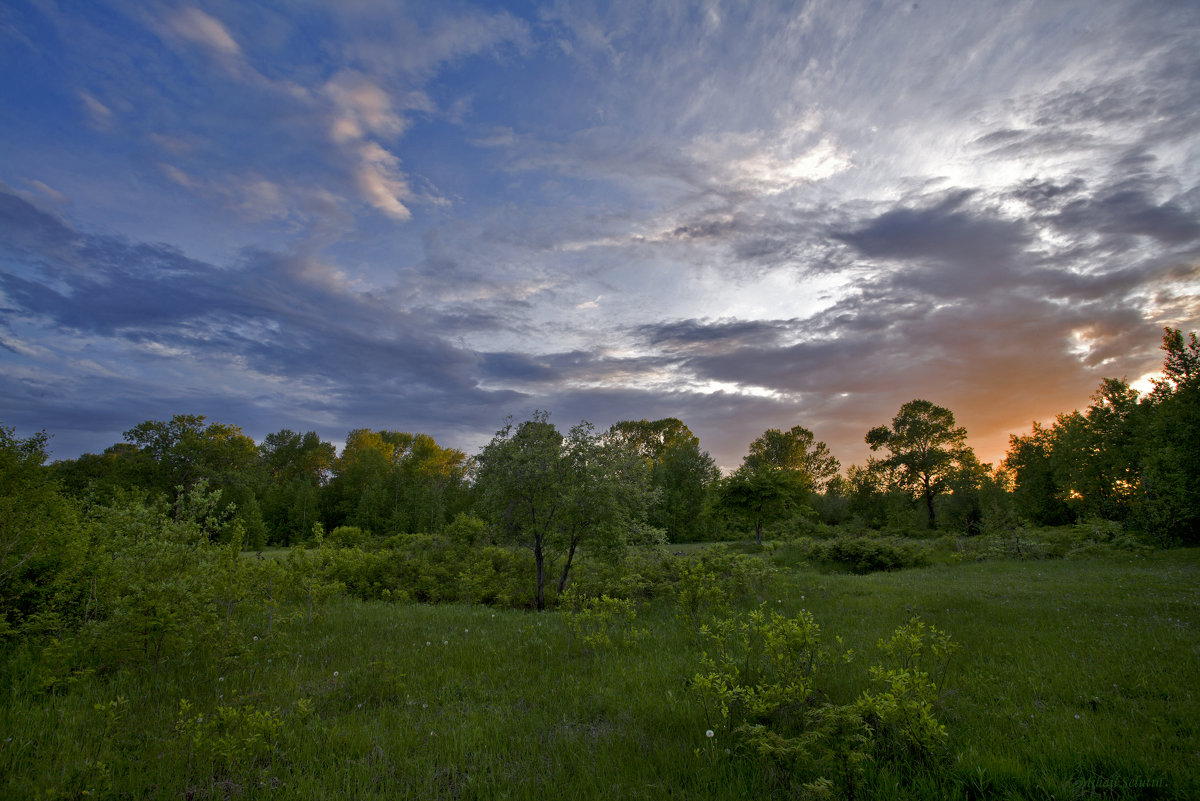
[[760, 683]]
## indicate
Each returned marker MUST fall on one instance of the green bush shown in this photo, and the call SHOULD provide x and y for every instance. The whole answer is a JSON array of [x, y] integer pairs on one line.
[[760, 687], [347, 536], [717, 577]]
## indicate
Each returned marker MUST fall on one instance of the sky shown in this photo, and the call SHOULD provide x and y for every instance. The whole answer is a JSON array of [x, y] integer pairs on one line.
[[748, 215]]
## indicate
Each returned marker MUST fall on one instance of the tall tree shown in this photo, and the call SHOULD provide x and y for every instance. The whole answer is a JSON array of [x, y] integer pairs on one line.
[[1169, 505], [394, 481], [680, 472], [795, 450], [1037, 493], [553, 495], [298, 466], [924, 446], [521, 480], [762, 496]]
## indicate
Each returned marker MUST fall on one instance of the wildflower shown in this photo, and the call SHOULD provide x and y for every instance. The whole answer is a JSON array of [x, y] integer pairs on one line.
[[428, 643], [710, 734], [335, 674], [256, 638], [220, 678]]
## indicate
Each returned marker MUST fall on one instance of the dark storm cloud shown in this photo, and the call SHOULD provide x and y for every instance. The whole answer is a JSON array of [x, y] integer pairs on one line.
[[285, 317], [700, 336], [1131, 212], [947, 231]]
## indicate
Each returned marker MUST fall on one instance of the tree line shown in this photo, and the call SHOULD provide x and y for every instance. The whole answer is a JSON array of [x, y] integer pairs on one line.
[[1127, 457], [558, 497]]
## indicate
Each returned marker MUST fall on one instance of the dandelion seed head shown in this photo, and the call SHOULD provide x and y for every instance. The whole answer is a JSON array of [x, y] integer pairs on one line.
[[710, 734]]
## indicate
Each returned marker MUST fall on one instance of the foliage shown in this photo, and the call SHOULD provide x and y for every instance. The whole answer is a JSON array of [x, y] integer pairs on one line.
[[900, 714], [763, 496], [551, 495], [797, 451], [391, 482], [233, 738], [760, 684], [869, 554], [598, 623], [925, 449], [1126, 458], [716, 578], [681, 474], [39, 546]]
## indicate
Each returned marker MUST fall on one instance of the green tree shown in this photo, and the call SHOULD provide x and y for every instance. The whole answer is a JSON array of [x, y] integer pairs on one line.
[[1095, 454], [1169, 503], [1037, 494], [186, 450], [36, 532], [797, 451], [609, 494], [102, 477], [762, 496], [297, 467], [396, 482], [554, 495], [925, 448], [522, 481], [681, 473]]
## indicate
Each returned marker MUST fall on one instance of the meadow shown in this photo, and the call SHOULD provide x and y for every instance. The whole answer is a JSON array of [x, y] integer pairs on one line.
[[1074, 679]]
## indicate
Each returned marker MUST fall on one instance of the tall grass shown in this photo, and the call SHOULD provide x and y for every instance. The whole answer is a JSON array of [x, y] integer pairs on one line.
[[1075, 679]]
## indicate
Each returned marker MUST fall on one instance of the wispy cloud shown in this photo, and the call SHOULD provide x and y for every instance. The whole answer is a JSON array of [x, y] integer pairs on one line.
[[744, 215], [204, 30]]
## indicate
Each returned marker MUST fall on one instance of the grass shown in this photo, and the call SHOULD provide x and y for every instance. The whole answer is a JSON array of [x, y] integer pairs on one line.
[[1076, 679]]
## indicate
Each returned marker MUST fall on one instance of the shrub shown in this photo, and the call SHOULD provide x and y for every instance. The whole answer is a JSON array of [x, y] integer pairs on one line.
[[717, 577], [347, 536], [599, 622], [759, 685]]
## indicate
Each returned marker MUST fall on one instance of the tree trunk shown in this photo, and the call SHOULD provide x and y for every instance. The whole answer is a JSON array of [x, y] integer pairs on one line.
[[929, 502], [562, 582], [540, 558]]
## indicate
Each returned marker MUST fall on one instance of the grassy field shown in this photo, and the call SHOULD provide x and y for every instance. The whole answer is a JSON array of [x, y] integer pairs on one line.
[[1075, 679]]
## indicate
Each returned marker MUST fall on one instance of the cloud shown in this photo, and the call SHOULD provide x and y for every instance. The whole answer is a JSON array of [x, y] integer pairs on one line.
[[202, 29], [802, 215], [382, 182], [100, 115], [364, 108], [273, 323]]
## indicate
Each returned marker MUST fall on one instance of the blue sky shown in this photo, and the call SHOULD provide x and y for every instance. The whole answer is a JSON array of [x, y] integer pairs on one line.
[[429, 216]]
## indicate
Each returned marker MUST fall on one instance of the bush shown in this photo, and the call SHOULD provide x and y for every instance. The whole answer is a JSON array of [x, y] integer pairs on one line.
[[717, 577], [347, 536], [760, 686], [861, 553]]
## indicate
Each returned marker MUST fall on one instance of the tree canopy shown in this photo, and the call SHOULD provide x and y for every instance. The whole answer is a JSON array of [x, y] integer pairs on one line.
[[924, 446]]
